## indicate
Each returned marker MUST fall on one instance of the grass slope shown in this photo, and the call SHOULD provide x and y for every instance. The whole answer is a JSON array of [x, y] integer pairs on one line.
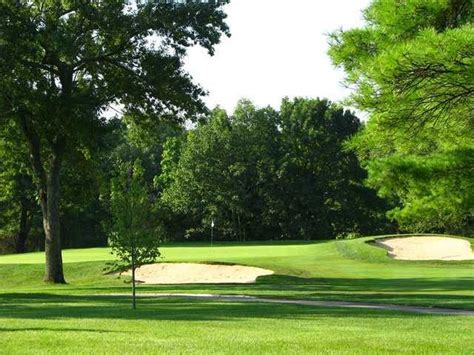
[[81, 318], [335, 270]]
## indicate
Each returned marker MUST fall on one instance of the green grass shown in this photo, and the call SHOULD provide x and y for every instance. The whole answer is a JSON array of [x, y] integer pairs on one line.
[[346, 270], [72, 324], [81, 317]]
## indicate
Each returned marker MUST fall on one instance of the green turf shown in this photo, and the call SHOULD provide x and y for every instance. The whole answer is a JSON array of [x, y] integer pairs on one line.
[[78, 324], [81, 317], [345, 270]]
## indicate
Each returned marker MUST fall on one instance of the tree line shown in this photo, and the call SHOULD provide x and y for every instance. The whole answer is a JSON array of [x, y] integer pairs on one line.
[[259, 174], [268, 174]]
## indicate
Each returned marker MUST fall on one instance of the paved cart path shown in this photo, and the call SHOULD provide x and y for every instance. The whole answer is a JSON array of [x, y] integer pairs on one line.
[[340, 304]]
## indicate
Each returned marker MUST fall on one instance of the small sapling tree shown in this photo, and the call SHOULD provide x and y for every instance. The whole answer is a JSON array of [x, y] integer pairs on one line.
[[134, 238]]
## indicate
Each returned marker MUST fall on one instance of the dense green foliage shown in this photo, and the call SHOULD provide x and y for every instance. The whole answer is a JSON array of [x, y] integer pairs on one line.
[[263, 174], [72, 60], [82, 211], [412, 69], [260, 174], [91, 319], [18, 207], [436, 192]]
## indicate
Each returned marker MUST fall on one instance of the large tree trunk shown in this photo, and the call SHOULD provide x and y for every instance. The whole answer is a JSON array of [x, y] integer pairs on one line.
[[48, 183], [50, 207]]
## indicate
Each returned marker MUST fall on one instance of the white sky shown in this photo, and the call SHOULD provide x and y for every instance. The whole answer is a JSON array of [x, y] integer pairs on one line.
[[278, 48]]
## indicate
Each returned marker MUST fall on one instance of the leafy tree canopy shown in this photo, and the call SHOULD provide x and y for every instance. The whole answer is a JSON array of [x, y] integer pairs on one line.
[[64, 62], [266, 174], [412, 65], [412, 68]]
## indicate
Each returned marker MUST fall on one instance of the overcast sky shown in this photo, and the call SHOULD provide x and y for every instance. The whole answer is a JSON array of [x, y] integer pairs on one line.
[[278, 48]]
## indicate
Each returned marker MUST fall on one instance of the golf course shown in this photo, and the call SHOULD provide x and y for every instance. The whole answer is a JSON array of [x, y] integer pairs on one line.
[[92, 312], [236, 177]]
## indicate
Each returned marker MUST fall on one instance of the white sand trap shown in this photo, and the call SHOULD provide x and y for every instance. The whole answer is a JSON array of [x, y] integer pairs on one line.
[[427, 248], [170, 273]]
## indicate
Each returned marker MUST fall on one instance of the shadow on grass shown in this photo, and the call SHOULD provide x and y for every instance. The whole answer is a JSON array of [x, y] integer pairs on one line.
[[97, 302], [420, 291], [57, 307], [435, 292], [369, 284], [293, 283], [431, 292]]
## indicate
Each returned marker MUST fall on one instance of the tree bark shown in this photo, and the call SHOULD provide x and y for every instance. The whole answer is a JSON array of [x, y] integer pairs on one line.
[[50, 207], [48, 184]]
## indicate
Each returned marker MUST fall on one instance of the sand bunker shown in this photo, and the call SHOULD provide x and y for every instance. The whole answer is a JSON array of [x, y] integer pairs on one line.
[[427, 248], [170, 273]]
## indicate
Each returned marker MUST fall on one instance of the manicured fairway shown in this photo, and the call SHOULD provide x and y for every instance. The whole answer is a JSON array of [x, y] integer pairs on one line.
[[70, 324], [83, 317]]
